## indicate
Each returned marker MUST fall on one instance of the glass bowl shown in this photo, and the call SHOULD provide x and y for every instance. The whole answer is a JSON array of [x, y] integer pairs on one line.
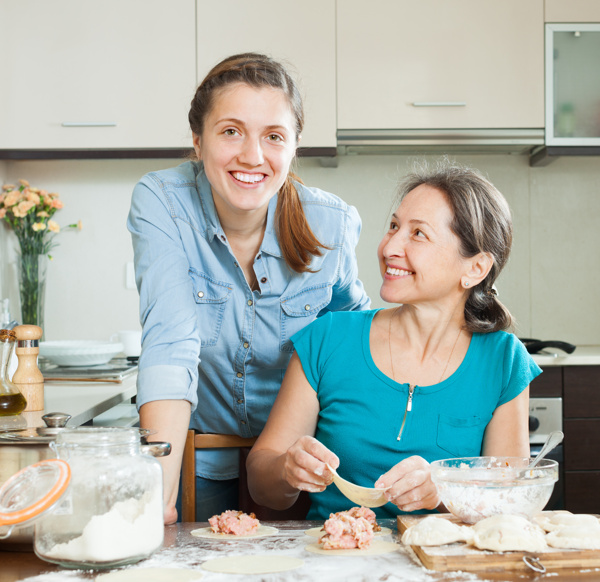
[[473, 488]]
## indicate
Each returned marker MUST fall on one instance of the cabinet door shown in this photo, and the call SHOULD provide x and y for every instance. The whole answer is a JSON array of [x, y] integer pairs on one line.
[[107, 74], [426, 64], [301, 34]]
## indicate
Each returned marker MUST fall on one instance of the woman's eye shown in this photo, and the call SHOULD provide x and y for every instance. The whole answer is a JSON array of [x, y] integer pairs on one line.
[[230, 131], [275, 137], [420, 233], [393, 226]]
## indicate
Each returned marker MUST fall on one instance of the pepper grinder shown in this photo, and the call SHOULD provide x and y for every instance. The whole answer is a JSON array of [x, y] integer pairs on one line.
[[27, 376]]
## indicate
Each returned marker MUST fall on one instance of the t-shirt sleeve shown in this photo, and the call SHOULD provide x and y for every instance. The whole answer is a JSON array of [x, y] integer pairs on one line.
[[310, 344], [519, 370]]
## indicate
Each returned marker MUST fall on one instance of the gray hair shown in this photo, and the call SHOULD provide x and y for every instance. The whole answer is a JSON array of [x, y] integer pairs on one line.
[[482, 222]]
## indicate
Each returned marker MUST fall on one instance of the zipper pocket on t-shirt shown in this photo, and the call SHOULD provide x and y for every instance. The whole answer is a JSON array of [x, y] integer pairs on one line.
[[411, 389]]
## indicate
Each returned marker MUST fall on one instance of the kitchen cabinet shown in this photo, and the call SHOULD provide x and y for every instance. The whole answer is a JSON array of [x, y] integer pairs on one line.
[[302, 35], [572, 11], [96, 75], [425, 64], [579, 387]]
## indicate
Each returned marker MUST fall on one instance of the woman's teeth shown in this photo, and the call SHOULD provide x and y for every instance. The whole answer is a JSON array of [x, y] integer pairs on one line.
[[398, 272], [248, 178]]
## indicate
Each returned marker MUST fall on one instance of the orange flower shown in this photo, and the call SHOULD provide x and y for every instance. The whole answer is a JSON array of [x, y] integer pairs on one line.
[[53, 226], [32, 197], [38, 226], [42, 214], [56, 203], [2, 212], [23, 208], [24, 182], [12, 198], [8, 187]]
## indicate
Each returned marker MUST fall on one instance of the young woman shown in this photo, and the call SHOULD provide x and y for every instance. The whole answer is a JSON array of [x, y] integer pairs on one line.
[[380, 394], [233, 256]]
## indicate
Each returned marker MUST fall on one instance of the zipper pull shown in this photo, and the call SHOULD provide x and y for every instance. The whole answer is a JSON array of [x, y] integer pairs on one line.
[[411, 389]]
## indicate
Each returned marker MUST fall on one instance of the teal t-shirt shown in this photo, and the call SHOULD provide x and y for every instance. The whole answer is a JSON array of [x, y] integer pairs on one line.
[[361, 409]]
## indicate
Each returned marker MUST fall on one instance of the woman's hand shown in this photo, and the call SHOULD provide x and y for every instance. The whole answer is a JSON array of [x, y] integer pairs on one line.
[[410, 483], [304, 465]]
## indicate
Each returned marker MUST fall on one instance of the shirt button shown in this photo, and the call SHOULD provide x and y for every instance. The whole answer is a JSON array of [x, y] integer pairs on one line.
[[239, 374], [307, 307], [243, 421], [223, 238], [235, 264], [250, 302], [258, 256], [246, 345], [240, 401], [200, 294], [263, 280]]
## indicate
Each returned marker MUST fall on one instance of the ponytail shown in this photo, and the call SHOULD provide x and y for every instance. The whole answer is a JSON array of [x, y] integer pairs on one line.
[[484, 312]]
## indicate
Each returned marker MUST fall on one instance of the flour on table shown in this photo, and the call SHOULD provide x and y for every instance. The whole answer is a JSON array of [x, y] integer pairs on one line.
[[256, 564], [506, 533], [376, 547], [435, 531], [151, 575], [261, 532]]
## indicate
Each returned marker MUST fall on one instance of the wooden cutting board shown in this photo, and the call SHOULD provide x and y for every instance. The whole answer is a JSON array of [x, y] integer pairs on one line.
[[460, 556]]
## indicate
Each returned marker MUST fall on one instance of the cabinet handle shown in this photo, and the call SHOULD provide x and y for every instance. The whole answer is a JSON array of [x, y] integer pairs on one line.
[[439, 104], [89, 124]]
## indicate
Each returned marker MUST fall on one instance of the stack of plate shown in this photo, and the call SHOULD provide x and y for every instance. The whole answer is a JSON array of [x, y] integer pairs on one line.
[[80, 352]]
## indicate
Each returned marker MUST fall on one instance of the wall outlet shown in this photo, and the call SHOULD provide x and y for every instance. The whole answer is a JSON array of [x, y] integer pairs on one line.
[[130, 276]]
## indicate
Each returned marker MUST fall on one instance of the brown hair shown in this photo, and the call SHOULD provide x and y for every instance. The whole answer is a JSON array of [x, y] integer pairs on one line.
[[483, 223], [296, 238]]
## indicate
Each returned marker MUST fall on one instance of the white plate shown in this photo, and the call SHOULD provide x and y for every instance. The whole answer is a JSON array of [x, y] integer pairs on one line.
[[80, 352]]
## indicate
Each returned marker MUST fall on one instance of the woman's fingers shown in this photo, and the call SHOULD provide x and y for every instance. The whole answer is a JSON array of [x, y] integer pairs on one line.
[[306, 465], [410, 483]]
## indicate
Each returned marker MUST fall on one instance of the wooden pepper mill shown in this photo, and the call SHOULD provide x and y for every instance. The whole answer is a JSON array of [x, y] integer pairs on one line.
[[27, 376]]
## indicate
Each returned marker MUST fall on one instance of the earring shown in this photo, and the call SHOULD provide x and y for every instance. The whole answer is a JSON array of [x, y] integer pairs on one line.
[[465, 284]]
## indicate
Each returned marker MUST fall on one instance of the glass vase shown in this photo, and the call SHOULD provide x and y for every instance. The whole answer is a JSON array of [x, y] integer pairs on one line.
[[32, 287]]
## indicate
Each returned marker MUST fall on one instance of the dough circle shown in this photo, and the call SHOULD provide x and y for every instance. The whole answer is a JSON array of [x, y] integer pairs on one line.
[[435, 531], [575, 537], [376, 547], [256, 564], [317, 532], [261, 532], [559, 519], [151, 575]]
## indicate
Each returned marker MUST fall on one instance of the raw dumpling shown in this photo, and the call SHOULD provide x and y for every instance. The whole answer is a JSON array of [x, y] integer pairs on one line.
[[435, 531], [506, 533], [575, 537], [557, 519]]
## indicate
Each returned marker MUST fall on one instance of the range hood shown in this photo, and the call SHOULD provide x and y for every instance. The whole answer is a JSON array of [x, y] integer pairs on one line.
[[455, 141]]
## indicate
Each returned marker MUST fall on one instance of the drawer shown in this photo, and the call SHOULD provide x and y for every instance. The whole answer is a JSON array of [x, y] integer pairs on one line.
[[581, 491], [582, 444], [581, 397], [549, 384]]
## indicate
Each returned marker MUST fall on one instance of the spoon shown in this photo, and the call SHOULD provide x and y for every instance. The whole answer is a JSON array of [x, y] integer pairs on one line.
[[554, 438]]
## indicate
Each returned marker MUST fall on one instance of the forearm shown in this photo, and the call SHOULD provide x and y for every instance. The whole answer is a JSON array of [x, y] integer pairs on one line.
[[168, 420], [266, 480]]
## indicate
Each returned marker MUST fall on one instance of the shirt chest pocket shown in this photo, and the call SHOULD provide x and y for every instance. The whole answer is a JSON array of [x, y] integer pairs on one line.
[[211, 298], [461, 437], [298, 310]]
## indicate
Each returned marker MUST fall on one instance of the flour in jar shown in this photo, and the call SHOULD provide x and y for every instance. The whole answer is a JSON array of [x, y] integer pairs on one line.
[[133, 527]]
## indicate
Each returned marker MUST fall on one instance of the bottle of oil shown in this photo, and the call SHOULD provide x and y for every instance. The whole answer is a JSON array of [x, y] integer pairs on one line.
[[11, 400]]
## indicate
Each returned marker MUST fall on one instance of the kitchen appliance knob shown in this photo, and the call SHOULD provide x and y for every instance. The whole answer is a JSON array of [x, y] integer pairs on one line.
[[56, 419], [534, 423]]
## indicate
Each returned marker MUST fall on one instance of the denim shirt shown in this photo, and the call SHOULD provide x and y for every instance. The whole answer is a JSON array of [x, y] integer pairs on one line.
[[207, 337]]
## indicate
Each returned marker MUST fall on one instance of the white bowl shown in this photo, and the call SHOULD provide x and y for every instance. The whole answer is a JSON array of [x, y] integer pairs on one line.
[[80, 352], [473, 488]]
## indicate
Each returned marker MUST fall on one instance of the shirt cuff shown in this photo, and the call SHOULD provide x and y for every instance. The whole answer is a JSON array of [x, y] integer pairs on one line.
[[166, 383]]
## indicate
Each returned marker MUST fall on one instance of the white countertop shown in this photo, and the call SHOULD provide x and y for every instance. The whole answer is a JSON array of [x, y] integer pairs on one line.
[[84, 401], [582, 356]]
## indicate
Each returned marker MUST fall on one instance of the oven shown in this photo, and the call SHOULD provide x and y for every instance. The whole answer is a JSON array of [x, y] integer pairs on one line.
[[545, 415]]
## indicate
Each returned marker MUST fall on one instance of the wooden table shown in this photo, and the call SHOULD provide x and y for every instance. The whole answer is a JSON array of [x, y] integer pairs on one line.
[[182, 550]]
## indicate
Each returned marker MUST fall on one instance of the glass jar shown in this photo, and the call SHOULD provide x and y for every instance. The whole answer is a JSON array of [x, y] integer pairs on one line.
[[12, 402], [112, 512]]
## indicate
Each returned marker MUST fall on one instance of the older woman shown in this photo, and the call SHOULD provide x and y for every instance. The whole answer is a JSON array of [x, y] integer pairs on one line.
[[380, 394]]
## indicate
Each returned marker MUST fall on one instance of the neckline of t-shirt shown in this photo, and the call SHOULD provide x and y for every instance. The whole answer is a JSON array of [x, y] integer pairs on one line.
[[404, 386]]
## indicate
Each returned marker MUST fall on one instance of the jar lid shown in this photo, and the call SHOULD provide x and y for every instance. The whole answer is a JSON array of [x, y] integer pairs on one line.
[[32, 491]]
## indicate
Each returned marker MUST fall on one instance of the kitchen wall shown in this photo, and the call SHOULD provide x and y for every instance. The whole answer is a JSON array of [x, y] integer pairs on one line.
[[550, 284]]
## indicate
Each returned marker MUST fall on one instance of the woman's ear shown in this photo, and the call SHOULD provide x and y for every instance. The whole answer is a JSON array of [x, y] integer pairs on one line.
[[197, 149], [478, 268]]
